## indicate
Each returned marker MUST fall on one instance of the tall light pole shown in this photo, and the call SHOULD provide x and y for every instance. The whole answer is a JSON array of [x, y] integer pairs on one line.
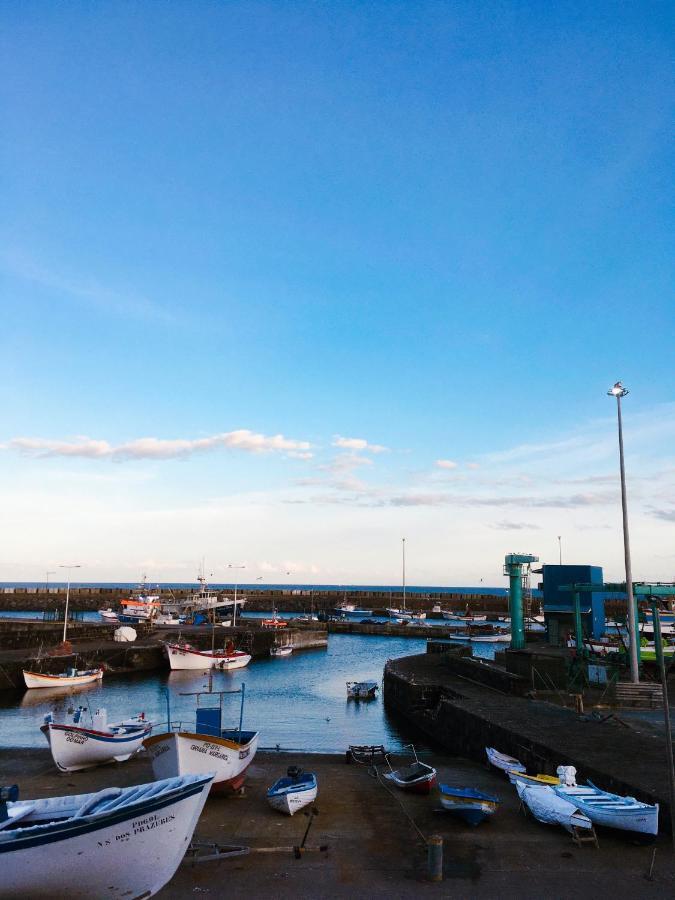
[[65, 618], [620, 391], [234, 612], [403, 561], [560, 550]]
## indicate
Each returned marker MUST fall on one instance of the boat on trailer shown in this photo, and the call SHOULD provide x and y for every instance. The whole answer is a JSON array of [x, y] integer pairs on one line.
[[547, 807], [117, 842], [415, 778], [469, 804], [227, 752], [293, 792], [503, 761], [89, 740], [70, 678]]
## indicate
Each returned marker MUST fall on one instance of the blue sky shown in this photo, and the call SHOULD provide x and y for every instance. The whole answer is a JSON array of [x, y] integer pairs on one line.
[[443, 229]]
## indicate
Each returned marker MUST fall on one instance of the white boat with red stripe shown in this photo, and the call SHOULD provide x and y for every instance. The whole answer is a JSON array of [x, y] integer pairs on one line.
[[184, 656], [69, 678]]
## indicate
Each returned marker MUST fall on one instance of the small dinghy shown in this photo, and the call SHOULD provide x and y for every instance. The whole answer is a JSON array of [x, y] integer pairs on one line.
[[547, 807], [362, 690], [296, 790], [281, 650], [603, 808], [503, 761], [117, 843], [69, 678], [416, 778], [90, 740], [469, 804]]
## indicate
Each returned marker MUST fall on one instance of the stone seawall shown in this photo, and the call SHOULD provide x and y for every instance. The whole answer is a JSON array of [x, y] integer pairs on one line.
[[465, 717]]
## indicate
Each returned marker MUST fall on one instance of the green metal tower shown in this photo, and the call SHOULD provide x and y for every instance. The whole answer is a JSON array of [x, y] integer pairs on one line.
[[513, 567]]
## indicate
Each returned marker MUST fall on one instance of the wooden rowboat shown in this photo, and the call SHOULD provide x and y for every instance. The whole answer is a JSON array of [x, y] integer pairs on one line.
[[469, 804], [69, 678]]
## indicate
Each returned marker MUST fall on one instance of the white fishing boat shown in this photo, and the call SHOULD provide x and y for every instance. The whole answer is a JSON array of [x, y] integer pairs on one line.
[[185, 656], [108, 615], [89, 740], [116, 843], [455, 617], [207, 748], [362, 690], [478, 638], [547, 807], [603, 808], [415, 778], [70, 678], [297, 790], [503, 761], [282, 650]]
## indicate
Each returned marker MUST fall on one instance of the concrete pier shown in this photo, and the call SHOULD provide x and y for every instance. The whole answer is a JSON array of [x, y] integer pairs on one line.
[[464, 712], [144, 654]]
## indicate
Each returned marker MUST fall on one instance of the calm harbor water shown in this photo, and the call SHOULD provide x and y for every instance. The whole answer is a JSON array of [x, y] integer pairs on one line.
[[297, 702]]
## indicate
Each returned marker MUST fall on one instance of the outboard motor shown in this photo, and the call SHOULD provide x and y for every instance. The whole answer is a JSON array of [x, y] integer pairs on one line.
[[7, 795], [294, 772]]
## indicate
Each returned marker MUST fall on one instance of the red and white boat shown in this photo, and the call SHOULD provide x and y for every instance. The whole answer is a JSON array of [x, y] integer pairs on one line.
[[416, 778], [184, 656], [69, 678], [87, 739]]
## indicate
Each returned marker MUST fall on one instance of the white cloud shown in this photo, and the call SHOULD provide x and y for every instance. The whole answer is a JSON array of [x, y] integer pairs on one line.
[[359, 444], [446, 464], [158, 448]]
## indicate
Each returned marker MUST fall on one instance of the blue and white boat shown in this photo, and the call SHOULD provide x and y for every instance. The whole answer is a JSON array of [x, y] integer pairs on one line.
[[296, 790], [116, 843], [471, 805], [611, 810], [89, 740], [503, 761]]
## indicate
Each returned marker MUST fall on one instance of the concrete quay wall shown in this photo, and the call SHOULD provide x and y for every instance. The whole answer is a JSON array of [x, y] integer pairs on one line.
[[465, 717], [146, 654]]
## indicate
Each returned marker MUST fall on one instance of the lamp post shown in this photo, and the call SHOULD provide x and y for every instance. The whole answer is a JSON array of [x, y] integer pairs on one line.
[[560, 550], [619, 391], [234, 611], [403, 564], [65, 618]]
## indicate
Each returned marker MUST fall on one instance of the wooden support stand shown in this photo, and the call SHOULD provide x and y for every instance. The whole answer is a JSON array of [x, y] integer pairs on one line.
[[582, 836]]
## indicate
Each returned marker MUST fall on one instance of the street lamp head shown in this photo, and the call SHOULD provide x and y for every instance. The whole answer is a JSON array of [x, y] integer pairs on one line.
[[618, 390]]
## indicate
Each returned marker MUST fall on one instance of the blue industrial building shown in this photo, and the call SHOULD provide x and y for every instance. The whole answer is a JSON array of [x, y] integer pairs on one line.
[[558, 606]]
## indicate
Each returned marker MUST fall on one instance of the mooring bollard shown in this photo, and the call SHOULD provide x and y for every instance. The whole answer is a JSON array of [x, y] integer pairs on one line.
[[435, 858]]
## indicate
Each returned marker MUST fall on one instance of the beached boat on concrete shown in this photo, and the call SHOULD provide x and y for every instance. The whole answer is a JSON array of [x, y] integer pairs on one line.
[[533, 780], [206, 748], [89, 740], [183, 656], [503, 761], [296, 790], [69, 678], [469, 804], [116, 843], [415, 778], [547, 807], [603, 808]]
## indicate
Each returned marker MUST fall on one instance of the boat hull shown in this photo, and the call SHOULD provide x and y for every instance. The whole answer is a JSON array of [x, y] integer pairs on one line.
[[74, 749], [618, 813], [473, 812], [132, 853], [422, 785], [40, 680], [291, 801], [187, 753], [183, 658]]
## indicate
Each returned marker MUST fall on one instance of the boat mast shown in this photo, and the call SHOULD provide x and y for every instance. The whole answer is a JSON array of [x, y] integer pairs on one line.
[[403, 550]]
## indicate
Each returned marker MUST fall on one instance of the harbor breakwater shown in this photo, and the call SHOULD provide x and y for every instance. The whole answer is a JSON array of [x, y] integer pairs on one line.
[[465, 706], [52, 599]]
